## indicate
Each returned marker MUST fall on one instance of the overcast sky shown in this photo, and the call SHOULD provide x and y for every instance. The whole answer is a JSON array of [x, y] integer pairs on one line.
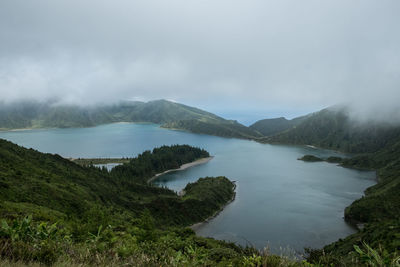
[[227, 56]]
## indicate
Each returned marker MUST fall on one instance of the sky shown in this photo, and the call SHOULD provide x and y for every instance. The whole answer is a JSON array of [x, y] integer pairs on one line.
[[243, 60]]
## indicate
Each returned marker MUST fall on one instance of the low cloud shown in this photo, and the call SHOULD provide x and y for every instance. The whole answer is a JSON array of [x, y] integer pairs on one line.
[[220, 55]]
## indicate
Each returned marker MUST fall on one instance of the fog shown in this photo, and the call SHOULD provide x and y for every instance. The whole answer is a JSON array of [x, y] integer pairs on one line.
[[228, 56]]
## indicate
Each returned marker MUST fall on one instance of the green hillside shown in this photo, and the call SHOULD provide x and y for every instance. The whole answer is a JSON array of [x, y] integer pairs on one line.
[[167, 113], [163, 111], [218, 128], [378, 212], [64, 188], [117, 218], [333, 128], [268, 127], [375, 146], [57, 213], [149, 163], [101, 214]]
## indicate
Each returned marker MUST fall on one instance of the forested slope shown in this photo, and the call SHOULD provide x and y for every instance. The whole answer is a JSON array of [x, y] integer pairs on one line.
[[167, 113], [333, 128], [269, 127], [102, 219], [375, 146]]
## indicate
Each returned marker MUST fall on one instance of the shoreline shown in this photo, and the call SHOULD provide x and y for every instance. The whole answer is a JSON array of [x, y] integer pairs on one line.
[[72, 127], [19, 129], [182, 167], [196, 226]]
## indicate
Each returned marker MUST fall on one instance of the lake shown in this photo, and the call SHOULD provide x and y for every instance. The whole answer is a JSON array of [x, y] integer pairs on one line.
[[281, 202]]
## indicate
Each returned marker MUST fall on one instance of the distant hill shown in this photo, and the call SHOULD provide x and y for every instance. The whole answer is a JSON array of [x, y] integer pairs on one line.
[[377, 147], [268, 127], [158, 111], [45, 115], [84, 198], [333, 128], [225, 128], [168, 114]]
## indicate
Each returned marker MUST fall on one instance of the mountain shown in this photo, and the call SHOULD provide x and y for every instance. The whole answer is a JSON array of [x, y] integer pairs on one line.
[[224, 128], [333, 128], [55, 212], [116, 218], [168, 114], [45, 115], [374, 146], [268, 127]]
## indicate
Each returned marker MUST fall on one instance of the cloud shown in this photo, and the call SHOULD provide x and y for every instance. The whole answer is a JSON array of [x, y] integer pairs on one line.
[[236, 54]]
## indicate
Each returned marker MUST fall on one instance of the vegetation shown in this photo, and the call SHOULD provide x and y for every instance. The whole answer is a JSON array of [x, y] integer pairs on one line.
[[269, 127], [41, 115], [218, 128], [126, 239], [310, 158], [50, 187], [379, 209], [148, 164], [334, 129], [377, 213], [334, 159], [26, 242], [169, 114], [99, 161], [56, 212], [141, 244], [363, 255]]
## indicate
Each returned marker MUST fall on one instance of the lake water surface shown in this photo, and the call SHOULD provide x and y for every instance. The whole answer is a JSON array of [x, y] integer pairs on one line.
[[280, 201]]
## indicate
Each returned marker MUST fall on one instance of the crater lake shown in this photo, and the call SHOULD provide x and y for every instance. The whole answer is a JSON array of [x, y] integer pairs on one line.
[[281, 202]]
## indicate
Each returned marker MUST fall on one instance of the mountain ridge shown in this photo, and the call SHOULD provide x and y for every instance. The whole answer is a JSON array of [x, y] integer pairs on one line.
[[269, 127], [334, 129], [168, 114], [374, 146]]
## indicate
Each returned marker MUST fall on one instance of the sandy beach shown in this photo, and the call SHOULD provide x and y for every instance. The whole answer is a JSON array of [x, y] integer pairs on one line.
[[15, 130], [183, 167]]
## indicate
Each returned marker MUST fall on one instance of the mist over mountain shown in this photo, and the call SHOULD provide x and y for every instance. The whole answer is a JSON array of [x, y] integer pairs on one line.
[[269, 127], [32, 114], [223, 55], [333, 128], [316, 74]]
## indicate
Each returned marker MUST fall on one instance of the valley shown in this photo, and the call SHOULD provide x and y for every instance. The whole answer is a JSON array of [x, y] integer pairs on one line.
[[259, 193]]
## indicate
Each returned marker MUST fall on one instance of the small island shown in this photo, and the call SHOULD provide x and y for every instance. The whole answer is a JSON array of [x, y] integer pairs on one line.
[[312, 158]]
